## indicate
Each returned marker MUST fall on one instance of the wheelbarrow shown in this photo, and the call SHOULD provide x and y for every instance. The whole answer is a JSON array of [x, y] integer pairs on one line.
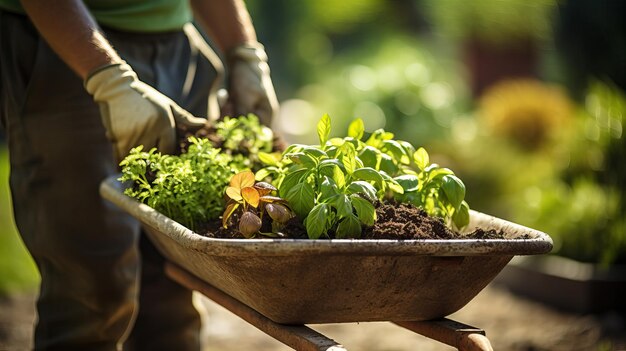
[[297, 281]]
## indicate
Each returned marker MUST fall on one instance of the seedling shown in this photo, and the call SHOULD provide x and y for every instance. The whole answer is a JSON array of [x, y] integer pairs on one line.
[[333, 186], [248, 202]]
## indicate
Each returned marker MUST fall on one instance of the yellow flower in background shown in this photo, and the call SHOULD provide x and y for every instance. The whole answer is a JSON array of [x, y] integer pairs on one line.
[[526, 111]]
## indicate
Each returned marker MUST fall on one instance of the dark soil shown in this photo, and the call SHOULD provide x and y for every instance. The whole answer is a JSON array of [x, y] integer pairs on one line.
[[208, 132], [394, 221]]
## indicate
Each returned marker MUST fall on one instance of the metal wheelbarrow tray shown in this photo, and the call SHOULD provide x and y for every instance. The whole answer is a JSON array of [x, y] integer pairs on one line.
[[295, 281]]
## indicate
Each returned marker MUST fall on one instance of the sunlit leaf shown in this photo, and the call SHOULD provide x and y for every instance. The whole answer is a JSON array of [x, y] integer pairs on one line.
[[454, 189], [323, 129], [230, 209], [408, 182], [251, 196], [234, 193], [368, 173], [242, 180], [270, 159], [421, 158], [356, 129]]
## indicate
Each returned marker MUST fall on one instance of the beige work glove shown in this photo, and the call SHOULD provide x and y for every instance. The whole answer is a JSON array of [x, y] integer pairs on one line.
[[250, 86], [134, 113]]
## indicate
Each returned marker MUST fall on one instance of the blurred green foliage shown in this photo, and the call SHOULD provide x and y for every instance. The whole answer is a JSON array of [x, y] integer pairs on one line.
[[396, 84], [17, 269], [572, 188], [497, 22]]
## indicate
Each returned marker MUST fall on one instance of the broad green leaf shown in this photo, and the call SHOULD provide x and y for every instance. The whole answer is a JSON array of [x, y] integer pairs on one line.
[[386, 164], [339, 177], [323, 129], [437, 174], [334, 172], [461, 216], [302, 159], [394, 148], [364, 210], [294, 148], [408, 182], [421, 158], [387, 135], [349, 228], [395, 186], [409, 150], [290, 180], [330, 162], [369, 174], [391, 183], [356, 129], [454, 189], [313, 152], [262, 174], [368, 156], [336, 141], [328, 189], [301, 199], [342, 204], [348, 157], [317, 220], [270, 159], [362, 187]]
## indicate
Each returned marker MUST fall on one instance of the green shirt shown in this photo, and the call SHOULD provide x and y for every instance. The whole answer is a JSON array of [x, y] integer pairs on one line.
[[131, 15]]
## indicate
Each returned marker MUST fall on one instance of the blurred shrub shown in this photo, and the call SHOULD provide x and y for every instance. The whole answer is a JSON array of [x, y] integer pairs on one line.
[[571, 185], [395, 83], [492, 21], [527, 112]]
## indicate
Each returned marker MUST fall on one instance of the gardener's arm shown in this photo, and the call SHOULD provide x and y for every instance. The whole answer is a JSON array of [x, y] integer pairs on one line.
[[133, 113], [249, 85], [73, 34]]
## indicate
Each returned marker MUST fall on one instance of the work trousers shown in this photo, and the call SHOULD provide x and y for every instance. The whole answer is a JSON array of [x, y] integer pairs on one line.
[[102, 282]]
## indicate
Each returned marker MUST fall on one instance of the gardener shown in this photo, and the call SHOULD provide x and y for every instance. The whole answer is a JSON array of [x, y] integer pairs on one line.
[[77, 78]]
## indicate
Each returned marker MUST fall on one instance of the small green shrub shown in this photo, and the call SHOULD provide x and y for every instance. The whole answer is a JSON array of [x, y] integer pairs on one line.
[[333, 186]]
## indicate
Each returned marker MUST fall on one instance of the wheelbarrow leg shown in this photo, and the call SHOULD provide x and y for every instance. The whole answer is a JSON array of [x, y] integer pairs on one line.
[[459, 335], [298, 337]]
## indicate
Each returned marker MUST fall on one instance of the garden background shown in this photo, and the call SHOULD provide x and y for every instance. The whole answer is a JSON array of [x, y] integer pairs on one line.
[[524, 100]]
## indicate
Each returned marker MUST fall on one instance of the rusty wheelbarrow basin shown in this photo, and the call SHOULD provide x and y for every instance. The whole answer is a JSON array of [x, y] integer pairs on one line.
[[295, 281]]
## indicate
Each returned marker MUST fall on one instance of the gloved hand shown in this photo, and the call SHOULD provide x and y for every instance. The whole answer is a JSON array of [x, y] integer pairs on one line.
[[134, 113], [250, 85]]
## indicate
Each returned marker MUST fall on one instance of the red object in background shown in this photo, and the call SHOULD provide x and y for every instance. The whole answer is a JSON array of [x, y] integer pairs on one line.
[[488, 63]]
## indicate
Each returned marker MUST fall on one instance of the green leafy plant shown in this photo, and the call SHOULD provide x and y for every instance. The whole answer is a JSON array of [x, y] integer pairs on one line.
[[333, 186], [187, 188], [249, 200], [244, 137]]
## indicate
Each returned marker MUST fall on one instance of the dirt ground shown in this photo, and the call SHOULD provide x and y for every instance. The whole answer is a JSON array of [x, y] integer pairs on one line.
[[511, 323]]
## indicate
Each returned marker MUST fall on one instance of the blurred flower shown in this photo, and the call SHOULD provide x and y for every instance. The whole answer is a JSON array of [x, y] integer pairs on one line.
[[526, 111]]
